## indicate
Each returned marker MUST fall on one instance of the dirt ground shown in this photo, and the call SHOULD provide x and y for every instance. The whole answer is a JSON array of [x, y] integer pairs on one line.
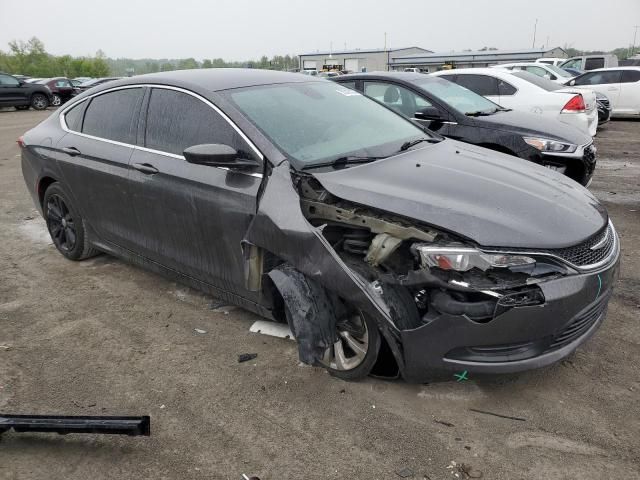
[[102, 337]]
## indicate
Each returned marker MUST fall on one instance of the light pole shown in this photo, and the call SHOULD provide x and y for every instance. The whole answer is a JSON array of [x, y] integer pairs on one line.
[[635, 33], [535, 28]]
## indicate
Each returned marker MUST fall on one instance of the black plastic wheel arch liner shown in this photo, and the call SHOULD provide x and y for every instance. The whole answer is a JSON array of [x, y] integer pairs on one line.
[[280, 227]]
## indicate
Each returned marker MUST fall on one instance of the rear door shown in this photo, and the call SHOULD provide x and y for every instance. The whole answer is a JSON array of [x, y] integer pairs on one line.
[[606, 82], [192, 217], [94, 157], [629, 98]]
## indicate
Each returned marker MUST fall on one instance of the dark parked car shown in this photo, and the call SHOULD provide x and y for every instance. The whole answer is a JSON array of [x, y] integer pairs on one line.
[[22, 95], [573, 71], [456, 112], [61, 88], [94, 82], [307, 202]]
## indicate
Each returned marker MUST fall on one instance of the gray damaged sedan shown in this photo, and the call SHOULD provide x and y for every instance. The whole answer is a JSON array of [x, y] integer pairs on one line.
[[383, 245]]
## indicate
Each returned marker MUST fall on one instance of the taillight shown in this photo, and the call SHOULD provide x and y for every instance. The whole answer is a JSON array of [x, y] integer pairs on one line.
[[20, 141], [575, 105]]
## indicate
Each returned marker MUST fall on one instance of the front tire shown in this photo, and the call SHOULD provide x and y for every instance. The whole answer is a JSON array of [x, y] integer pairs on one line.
[[39, 101], [65, 224]]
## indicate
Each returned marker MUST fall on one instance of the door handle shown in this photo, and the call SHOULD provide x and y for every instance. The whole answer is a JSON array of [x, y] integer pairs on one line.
[[612, 89], [73, 151], [145, 168]]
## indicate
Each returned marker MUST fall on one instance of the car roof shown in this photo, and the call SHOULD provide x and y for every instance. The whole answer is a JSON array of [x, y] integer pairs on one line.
[[631, 67], [215, 79], [407, 76]]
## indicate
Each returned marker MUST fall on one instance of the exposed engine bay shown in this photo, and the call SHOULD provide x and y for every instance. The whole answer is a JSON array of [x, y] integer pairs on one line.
[[442, 272]]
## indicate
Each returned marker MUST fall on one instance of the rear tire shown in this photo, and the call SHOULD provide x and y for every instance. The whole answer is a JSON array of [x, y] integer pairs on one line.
[[65, 224], [57, 100], [39, 101]]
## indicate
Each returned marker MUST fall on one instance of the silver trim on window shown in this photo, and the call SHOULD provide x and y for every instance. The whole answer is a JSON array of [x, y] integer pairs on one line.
[[64, 126]]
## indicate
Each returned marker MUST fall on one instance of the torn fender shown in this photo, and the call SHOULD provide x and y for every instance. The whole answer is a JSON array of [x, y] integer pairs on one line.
[[280, 228]]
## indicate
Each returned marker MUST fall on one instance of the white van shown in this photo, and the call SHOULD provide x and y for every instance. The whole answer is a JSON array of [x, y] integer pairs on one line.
[[591, 62], [551, 61]]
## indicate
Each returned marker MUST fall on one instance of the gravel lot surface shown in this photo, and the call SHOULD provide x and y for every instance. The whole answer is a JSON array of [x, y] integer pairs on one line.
[[102, 337]]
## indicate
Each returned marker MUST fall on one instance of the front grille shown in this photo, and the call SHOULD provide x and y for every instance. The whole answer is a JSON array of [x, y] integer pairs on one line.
[[584, 255], [580, 324], [590, 155]]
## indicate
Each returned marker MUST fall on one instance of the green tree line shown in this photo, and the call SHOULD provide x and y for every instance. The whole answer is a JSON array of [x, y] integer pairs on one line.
[[30, 58]]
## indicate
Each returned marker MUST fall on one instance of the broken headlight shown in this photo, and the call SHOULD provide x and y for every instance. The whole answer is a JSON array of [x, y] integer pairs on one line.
[[463, 259], [552, 146]]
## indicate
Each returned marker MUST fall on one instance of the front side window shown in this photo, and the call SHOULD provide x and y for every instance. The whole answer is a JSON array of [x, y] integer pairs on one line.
[[459, 97], [575, 63], [630, 76], [177, 120], [319, 122], [8, 81], [113, 115], [63, 83], [481, 84], [599, 78], [539, 71], [399, 98]]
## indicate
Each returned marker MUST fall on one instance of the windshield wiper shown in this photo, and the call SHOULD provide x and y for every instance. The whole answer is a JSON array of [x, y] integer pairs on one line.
[[342, 161], [408, 145], [481, 113]]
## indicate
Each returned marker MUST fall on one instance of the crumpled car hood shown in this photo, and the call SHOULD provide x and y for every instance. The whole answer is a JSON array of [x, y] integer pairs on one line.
[[494, 199]]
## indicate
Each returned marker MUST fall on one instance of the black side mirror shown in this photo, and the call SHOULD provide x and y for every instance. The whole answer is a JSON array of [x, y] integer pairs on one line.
[[428, 113], [218, 155]]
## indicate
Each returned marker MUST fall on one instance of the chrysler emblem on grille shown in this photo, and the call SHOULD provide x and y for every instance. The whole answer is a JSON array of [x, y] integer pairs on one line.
[[601, 243]]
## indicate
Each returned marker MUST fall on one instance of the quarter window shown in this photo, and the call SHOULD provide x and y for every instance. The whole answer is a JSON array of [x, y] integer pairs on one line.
[[630, 76], [73, 117], [113, 115], [481, 84], [177, 120]]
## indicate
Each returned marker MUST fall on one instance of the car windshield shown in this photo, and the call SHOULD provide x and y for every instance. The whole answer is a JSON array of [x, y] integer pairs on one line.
[[558, 71], [460, 98], [541, 82], [318, 122]]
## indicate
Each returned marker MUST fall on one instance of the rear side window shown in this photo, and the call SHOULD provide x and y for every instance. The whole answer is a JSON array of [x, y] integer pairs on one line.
[[176, 121], [73, 118], [599, 78], [113, 115], [593, 63], [481, 84], [630, 76]]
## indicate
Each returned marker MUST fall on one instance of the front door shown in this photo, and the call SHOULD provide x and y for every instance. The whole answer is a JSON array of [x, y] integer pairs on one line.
[[11, 93], [192, 217]]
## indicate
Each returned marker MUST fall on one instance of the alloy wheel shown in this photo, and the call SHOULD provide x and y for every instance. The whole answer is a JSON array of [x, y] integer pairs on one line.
[[39, 102], [57, 101], [350, 350], [61, 224]]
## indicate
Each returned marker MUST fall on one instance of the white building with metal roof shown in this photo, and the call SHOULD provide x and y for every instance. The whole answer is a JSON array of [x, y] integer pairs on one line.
[[431, 62], [357, 60]]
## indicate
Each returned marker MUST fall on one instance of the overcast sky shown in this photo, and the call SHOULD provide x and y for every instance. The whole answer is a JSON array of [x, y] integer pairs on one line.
[[243, 29]]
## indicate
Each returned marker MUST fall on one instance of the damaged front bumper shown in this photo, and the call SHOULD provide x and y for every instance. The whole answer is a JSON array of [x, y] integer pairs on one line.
[[521, 338]]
